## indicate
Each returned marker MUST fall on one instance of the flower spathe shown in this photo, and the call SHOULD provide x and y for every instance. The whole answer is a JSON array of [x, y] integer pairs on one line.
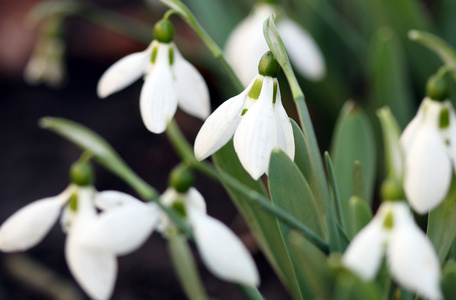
[[258, 122], [246, 45], [169, 81], [93, 267], [410, 256], [429, 144], [221, 250]]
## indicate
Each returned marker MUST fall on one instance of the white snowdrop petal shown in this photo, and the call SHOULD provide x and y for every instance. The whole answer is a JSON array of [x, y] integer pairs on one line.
[[285, 137], [28, 226], [427, 171], [409, 133], [192, 91], [122, 73], [411, 258], [246, 44], [364, 254], [95, 271], [107, 200], [158, 100], [195, 201], [222, 252], [122, 230], [218, 129], [304, 52], [255, 136]]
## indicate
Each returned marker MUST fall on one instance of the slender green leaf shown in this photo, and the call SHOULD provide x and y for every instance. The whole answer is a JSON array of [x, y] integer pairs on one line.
[[263, 225], [442, 223], [353, 140], [446, 21], [335, 191], [100, 150], [449, 280], [359, 186], [185, 266], [311, 262], [388, 76], [290, 191], [360, 214]]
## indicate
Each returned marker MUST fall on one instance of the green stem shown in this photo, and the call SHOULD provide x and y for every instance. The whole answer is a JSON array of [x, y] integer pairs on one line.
[[186, 153], [190, 19], [250, 292]]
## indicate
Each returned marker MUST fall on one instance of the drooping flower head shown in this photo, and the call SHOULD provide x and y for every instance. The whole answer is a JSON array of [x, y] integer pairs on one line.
[[169, 81], [429, 144], [46, 64], [410, 256], [246, 44], [93, 240], [257, 120]]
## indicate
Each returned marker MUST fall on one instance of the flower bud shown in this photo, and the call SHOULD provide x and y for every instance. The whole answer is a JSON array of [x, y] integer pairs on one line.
[[268, 65], [164, 31], [81, 173], [181, 178], [437, 88], [392, 190]]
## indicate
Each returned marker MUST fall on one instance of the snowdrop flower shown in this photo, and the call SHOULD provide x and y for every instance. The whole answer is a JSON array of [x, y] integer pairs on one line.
[[46, 63], [94, 267], [221, 250], [429, 143], [246, 44], [257, 119], [410, 256], [169, 80]]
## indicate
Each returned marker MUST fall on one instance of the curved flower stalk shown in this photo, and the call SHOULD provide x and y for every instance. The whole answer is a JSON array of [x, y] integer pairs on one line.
[[93, 267], [169, 81], [257, 120], [410, 256], [429, 143], [221, 250], [246, 44]]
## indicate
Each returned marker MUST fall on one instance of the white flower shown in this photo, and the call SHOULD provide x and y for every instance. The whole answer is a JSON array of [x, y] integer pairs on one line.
[[410, 256], [93, 266], [246, 44], [46, 63], [220, 249], [258, 121], [429, 143], [169, 80]]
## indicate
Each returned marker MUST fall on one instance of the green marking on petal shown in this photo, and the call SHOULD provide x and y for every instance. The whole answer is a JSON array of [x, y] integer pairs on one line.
[[274, 93], [444, 120], [388, 223], [73, 203], [154, 54], [178, 206], [171, 55], [447, 142], [244, 111], [255, 90]]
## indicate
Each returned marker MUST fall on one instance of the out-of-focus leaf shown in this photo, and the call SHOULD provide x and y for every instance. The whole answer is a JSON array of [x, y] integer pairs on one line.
[[446, 21], [290, 191], [311, 262], [359, 186], [335, 191], [185, 267], [390, 85], [263, 225], [449, 280], [360, 214], [353, 140], [441, 228]]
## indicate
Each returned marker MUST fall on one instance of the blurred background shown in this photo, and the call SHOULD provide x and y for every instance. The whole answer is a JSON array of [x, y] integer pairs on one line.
[[369, 59]]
